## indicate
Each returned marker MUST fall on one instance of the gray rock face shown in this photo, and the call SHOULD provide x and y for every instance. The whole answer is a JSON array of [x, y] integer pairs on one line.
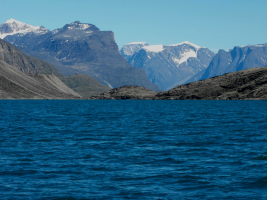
[[84, 49], [243, 85], [237, 59], [169, 66], [127, 92]]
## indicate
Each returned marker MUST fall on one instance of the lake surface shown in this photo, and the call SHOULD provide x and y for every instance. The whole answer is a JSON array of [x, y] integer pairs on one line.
[[79, 149]]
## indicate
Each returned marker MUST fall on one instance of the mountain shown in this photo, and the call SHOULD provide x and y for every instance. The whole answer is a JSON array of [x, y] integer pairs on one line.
[[15, 84], [84, 49], [84, 85], [24, 63], [168, 66], [236, 59], [12, 27], [243, 85], [129, 49]]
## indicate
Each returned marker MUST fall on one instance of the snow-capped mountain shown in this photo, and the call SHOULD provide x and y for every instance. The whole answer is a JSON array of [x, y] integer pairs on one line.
[[129, 49], [236, 59], [12, 27], [80, 48], [169, 66]]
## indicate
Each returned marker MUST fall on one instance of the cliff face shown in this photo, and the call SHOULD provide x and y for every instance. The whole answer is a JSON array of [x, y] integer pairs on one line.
[[236, 59]]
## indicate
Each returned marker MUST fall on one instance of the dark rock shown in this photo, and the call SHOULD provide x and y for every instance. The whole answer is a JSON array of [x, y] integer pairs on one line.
[[127, 92]]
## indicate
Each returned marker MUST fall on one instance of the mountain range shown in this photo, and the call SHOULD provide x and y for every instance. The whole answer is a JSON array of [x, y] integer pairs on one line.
[[77, 48], [168, 66], [236, 59], [80, 60]]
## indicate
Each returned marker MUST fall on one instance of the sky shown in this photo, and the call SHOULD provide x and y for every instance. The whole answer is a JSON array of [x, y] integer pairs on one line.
[[215, 24]]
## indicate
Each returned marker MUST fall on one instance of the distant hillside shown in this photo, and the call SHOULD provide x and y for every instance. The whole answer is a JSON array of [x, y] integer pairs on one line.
[[84, 85]]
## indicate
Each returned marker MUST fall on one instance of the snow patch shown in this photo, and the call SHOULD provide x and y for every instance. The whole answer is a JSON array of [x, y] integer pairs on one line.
[[108, 84], [188, 43], [184, 57], [154, 48], [22, 28], [137, 43]]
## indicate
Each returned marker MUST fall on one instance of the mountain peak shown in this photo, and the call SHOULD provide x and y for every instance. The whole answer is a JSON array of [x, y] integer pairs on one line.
[[10, 21], [188, 43], [77, 25], [12, 26], [131, 48]]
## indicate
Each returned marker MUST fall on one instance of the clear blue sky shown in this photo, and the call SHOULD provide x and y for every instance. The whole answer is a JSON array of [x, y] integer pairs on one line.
[[216, 24]]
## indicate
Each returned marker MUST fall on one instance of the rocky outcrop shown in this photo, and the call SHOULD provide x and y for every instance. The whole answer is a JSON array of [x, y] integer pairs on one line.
[[243, 85], [127, 92]]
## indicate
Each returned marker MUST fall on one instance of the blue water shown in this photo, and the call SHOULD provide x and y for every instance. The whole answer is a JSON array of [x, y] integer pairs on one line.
[[133, 149]]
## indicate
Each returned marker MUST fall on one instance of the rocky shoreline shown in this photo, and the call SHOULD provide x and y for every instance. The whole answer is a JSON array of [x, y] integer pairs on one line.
[[250, 84]]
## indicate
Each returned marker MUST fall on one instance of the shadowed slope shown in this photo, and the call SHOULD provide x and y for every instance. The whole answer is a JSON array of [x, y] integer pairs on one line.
[[85, 85], [27, 64]]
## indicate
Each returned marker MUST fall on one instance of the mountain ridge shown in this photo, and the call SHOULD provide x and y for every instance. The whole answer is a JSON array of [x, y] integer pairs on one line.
[[236, 59], [84, 51]]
